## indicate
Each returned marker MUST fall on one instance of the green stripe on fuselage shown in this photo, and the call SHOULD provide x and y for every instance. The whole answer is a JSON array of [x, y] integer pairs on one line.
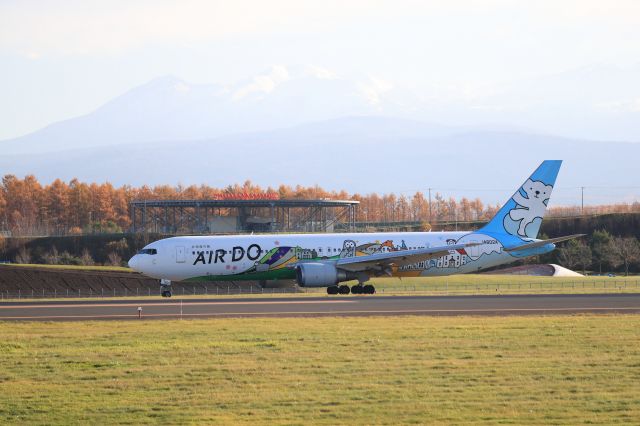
[[277, 274]]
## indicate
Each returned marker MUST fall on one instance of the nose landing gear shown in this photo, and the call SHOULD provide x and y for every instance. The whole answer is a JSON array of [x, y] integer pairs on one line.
[[165, 288]]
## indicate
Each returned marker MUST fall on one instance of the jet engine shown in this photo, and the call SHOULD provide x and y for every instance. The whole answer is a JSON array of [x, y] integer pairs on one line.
[[315, 274]]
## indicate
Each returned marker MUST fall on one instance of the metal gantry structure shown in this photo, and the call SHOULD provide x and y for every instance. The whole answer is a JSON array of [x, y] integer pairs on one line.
[[258, 215]]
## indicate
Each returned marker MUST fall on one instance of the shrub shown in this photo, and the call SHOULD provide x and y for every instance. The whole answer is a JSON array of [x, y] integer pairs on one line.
[[24, 255], [52, 257], [86, 259], [114, 259]]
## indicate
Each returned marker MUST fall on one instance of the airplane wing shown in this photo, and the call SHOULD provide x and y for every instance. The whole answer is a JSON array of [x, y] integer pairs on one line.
[[382, 261], [543, 242]]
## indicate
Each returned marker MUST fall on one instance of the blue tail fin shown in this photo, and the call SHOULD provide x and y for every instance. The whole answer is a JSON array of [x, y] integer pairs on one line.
[[522, 214]]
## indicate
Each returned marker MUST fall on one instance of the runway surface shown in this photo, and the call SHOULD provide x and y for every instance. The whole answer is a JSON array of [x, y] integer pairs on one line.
[[321, 306]]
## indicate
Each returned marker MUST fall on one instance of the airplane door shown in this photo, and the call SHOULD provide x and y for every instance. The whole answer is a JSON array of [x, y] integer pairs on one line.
[[180, 254], [474, 251]]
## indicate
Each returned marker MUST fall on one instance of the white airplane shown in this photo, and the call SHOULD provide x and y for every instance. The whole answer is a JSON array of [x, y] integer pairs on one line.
[[327, 260]]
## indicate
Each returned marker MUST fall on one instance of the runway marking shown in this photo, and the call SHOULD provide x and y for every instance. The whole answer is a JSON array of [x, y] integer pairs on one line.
[[339, 313], [129, 305]]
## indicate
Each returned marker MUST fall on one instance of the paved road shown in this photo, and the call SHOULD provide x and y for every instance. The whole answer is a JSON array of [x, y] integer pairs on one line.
[[322, 306]]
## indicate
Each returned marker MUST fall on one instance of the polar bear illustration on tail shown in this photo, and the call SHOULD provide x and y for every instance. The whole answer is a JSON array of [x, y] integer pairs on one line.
[[521, 216], [532, 206]]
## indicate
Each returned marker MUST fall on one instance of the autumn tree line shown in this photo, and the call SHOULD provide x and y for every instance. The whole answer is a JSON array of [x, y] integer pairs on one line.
[[28, 207], [60, 208]]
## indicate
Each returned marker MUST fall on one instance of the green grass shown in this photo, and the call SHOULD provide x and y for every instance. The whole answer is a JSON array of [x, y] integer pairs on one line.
[[497, 278], [506, 284], [72, 267], [382, 370], [436, 286]]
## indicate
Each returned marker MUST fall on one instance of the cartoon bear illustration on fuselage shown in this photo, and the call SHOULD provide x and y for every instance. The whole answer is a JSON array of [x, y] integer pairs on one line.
[[348, 249], [531, 207]]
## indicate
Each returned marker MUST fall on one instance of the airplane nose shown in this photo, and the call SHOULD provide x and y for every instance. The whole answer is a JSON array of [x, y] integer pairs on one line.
[[133, 262]]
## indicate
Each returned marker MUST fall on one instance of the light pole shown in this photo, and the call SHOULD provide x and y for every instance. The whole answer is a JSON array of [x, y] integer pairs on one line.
[[430, 222]]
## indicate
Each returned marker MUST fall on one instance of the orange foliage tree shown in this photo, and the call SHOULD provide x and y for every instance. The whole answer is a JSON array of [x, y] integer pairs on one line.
[[60, 208]]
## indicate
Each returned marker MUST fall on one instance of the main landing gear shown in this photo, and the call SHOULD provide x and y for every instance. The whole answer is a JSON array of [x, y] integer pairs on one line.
[[165, 288], [356, 289]]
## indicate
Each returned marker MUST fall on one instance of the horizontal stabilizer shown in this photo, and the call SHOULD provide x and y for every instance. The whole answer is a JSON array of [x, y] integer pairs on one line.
[[541, 243]]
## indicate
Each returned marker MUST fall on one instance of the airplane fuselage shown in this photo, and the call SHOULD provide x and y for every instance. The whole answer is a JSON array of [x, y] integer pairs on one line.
[[270, 257]]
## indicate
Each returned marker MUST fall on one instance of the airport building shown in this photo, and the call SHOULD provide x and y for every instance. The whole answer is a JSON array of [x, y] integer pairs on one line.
[[222, 216]]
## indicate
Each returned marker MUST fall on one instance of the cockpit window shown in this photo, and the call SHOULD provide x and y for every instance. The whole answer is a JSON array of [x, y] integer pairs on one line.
[[148, 251]]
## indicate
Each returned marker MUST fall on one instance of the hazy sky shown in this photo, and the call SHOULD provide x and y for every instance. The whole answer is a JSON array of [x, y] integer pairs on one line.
[[60, 59]]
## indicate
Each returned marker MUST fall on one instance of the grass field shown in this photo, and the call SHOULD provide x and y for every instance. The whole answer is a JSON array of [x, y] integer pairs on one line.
[[383, 370], [437, 286], [453, 285], [506, 284]]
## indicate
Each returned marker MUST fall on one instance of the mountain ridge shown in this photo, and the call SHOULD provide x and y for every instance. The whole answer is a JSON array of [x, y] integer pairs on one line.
[[357, 154]]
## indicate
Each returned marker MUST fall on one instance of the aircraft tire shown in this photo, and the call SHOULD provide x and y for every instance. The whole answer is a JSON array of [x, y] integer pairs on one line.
[[344, 289], [369, 289], [357, 289], [166, 293], [332, 290]]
